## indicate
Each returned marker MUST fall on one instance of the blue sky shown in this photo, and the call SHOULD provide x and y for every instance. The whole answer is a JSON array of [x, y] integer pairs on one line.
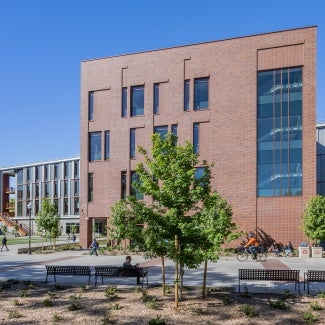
[[42, 43]]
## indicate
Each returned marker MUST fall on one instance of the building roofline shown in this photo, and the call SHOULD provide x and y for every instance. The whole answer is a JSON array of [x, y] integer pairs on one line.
[[200, 43], [40, 163]]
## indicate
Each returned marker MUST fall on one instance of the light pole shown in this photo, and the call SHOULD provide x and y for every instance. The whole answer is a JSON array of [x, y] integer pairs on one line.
[[29, 211]]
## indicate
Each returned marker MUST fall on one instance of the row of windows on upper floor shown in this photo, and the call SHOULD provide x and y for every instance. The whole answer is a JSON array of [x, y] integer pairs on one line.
[[95, 141], [137, 93], [63, 188], [199, 173], [64, 206], [48, 172]]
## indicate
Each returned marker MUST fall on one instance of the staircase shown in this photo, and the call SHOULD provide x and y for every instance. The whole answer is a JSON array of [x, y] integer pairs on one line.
[[22, 229]]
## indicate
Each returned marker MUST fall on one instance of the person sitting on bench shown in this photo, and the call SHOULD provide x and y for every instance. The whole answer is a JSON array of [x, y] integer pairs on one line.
[[127, 263]]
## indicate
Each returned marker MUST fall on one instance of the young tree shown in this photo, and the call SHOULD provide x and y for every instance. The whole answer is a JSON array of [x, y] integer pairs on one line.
[[313, 222], [48, 221], [174, 218]]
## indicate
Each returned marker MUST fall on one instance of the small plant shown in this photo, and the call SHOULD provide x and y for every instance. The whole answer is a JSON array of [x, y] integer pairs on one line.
[[157, 321], [83, 287], [14, 314], [248, 310], [278, 304], [74, 306], [57, 318], [168, 290], [74, 296], [16, 302], [110, 292], [314, 305], [106, 320], [51, 294], [115, 307], [226, 300], [31, 285], [322, 295], [58, 287], [138, 289], [23, 293], [309, 317], [47, 302], [287, 294], [152, 303]]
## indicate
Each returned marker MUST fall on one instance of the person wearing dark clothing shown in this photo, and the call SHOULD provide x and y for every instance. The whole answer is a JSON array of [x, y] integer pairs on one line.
[[127, 263], [4, 243], [94, 247]]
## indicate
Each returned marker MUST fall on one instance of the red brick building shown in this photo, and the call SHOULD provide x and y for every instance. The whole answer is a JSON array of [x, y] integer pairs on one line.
[[248, 105]]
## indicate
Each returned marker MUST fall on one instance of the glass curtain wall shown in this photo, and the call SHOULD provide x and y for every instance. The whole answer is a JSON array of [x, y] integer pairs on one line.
[[279, 133]]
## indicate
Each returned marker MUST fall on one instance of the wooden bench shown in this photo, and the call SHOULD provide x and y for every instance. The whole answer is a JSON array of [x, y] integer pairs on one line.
[[67, 270], [118, 271], [313, 276], [269, 275]]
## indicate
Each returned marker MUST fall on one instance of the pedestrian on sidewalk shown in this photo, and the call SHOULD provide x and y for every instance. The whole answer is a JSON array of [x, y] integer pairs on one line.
[[4, 243], [94, 247]]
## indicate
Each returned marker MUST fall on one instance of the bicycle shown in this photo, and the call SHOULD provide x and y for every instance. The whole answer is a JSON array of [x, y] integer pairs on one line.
[[243, 253]]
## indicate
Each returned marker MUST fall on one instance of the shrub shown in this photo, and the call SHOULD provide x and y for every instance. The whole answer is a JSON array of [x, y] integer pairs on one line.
[[309, 317], [314, 305], [110, 292], [248, 310], [74, 306], [157, 321], [47, 302], [57, 318]]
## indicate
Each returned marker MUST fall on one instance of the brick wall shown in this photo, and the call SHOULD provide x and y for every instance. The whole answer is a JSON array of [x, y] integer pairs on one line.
[[228, 133]]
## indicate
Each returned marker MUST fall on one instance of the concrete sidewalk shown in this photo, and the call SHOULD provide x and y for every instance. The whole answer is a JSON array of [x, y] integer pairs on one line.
[[223, 274]]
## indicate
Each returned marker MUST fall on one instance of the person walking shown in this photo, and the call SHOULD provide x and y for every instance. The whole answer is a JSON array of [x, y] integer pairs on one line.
[[4, 243], [94, 247]]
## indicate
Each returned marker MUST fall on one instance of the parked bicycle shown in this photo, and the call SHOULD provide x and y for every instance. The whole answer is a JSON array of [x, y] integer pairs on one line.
[[243, 254]]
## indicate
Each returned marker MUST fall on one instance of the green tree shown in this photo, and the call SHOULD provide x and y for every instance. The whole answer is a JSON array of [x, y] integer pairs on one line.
[[48, 221], [174, 218], [313, 222]]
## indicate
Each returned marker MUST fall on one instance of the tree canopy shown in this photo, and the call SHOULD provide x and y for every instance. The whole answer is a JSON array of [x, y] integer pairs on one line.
[[313, 222]]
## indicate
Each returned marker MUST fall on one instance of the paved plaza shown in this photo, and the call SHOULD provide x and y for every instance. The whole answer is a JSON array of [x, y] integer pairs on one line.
[[223, 274]]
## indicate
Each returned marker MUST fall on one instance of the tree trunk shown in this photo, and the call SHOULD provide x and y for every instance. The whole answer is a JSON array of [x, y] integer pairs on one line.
[[163, 275], [181, 271], [205, 279], [176, 272]]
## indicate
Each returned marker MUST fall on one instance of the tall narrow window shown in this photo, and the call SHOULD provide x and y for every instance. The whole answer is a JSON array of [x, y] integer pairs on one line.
[[174, 129], [135, 180], [107, 145], [66, 170], [90, 187], [123, 185], [196, 138], [124, 101], [279, 133], [76, 169], [132, 143], [137, 100], [91, 106], [156, 98], [95, 144], [186, 95], [56, 171], [201, 93]]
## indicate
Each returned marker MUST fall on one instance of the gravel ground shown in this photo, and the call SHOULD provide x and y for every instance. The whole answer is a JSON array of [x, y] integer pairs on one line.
[[32, 303]]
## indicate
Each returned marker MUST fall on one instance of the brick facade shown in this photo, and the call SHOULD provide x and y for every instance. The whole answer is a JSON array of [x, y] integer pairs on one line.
[[228, 132]]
